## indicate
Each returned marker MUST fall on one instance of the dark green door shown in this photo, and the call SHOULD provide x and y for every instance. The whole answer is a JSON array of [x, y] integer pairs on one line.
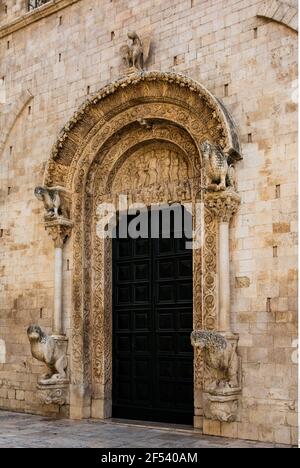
[[152, 323]]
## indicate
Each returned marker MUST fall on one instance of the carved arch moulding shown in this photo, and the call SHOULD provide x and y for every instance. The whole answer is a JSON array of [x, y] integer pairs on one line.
[[142, 135]]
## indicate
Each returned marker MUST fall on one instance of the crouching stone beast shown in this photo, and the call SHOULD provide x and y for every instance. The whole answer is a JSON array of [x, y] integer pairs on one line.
[[46, 349]]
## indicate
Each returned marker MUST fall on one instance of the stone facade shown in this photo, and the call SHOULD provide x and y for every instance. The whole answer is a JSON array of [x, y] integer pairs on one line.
[[62, 55]]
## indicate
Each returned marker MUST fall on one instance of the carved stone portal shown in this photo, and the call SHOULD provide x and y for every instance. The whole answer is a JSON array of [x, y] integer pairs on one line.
[[95, 156]]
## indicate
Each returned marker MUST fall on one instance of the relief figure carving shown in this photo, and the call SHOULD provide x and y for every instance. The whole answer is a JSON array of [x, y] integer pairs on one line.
[[219, 355], [152, 172]]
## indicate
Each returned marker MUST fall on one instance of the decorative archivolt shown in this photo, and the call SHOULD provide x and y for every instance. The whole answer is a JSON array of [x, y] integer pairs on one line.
[[281, 12], [130, 140], [156, 96]]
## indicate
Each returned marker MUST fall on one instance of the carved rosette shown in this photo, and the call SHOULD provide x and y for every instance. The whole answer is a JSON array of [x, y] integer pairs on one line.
[[59, 230], [223, 204]]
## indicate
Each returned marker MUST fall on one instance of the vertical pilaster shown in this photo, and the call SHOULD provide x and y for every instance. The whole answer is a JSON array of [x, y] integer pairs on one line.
[[223, 205]]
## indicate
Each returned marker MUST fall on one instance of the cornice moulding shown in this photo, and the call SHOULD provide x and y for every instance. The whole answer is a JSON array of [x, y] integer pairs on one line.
[[32, 16]]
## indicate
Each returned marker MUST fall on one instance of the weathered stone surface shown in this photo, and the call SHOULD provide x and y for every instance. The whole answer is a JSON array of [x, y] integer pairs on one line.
[[16, 431], [242, 282], [42, 86]]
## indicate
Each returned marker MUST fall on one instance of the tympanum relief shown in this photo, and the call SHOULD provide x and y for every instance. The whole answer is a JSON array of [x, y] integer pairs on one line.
[[159, 173]]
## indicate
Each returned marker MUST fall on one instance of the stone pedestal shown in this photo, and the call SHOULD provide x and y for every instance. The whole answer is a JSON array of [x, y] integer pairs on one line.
[[223, 408], [54, 394], [222, 365]]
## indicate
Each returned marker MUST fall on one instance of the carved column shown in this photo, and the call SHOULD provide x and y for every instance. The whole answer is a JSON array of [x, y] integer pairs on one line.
[[223, 204], [222, 379], [53, 388], [59, 229]]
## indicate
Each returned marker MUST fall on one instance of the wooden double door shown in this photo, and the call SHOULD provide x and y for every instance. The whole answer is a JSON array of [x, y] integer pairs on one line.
[[152, 324]]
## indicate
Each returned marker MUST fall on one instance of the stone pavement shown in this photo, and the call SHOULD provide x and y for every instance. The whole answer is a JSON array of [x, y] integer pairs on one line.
[[24, 431]]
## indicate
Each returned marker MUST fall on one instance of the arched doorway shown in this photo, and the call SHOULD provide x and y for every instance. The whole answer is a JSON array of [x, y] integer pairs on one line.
[[121, 142], [153, 316]]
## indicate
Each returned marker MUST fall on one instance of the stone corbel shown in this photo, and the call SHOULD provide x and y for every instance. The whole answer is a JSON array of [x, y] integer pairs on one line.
[[223, 204], [56, 394], [59, 230]]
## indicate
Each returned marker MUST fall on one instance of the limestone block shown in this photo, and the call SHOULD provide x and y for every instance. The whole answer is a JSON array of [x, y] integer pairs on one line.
[[211, 427], [282, 435], [2, 352]]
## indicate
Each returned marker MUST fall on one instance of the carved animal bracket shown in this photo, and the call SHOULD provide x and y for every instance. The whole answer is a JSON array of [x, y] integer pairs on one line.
[[219, 168], [56, 202]]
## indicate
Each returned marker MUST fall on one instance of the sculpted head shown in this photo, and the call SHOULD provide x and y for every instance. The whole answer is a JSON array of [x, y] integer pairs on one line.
[[206, 148], [35, 333], [199, 340], [132, 35], [39, 192]]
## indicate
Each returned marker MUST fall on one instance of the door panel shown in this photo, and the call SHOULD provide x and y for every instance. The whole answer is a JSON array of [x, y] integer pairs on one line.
[[152, 323]]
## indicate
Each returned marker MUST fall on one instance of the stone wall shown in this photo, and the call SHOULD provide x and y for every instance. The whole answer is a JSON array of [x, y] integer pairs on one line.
[[249, 63]]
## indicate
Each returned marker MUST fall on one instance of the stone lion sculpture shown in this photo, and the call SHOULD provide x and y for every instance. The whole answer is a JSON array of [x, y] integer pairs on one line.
[[220, 355], [219, 170], [54, 200], [45, 348]]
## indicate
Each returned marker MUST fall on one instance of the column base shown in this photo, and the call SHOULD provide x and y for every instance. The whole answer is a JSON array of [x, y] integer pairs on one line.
[[54, 394], [101, 409], [222, 407]]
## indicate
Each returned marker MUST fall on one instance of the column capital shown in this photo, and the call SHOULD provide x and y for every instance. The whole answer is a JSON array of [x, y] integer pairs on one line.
[[223, 204], [59, 230]]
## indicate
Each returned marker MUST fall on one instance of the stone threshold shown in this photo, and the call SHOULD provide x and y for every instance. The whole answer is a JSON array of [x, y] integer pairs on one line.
[[35, 15], [168, 427]]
